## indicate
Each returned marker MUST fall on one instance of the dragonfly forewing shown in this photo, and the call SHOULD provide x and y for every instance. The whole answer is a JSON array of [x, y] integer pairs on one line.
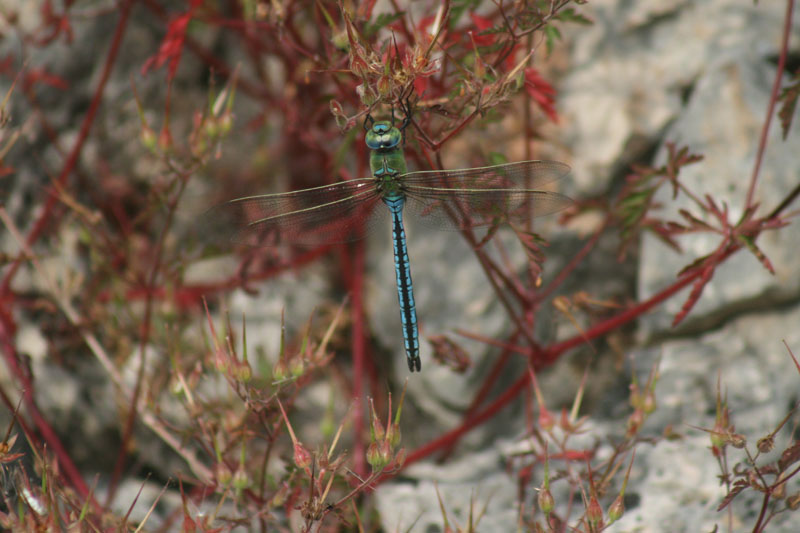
[[475, 197], [520, 175], [336, 213]]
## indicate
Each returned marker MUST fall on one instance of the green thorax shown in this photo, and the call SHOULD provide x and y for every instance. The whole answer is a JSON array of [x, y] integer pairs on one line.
[[386, 161]]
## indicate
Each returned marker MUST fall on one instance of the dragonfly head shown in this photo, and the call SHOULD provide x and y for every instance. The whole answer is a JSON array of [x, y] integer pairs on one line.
[[383, 136]]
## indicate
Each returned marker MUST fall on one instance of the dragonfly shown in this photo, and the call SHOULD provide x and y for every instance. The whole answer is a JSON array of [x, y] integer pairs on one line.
[[441, 199]]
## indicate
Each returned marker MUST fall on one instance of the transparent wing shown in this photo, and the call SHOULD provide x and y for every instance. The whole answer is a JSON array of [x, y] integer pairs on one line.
[[472, 197], [323, 215]]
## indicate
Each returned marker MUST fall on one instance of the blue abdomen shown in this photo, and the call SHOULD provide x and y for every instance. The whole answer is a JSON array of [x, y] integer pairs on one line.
[[405, 291]]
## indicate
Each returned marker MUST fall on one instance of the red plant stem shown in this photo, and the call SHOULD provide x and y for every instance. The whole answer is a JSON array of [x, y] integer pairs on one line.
[[527, 123], [764, 504], [250, 39], [319, 20], [295, 44], [47, 433], [503, 345], [491, 270], [189, 296], [483, 392], [490, 380], [217, 65], [553, 352], [493, 274], [438, 144], [786, 202], [573, 264], [549, 356], [773, 98], [69, 165], [144, 341], [506, 277], [451, 438], [359, 350], [402, 22]]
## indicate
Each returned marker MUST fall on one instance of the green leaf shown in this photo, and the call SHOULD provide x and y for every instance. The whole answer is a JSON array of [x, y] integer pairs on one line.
[[750, 244], [496, 158], [789, 104], [570, 15], [551, 35], [458, 8], [632, 208], [381, 21]]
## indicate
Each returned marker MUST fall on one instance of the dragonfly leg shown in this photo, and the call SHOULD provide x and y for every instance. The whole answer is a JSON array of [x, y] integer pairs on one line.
[[368, 122]]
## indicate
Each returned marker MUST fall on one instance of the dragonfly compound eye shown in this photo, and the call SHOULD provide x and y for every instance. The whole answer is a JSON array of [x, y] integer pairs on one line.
[[382, 136]]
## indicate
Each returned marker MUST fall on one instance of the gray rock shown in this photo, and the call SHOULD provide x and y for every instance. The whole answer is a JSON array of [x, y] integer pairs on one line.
[[470, 483], [677, 481], [722, 121]]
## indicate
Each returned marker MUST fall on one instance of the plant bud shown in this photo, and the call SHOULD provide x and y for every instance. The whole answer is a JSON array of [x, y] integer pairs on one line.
[[594, 513], [393, 435], [374, 457], [766, 444], [297, 367], [616, 510], [148, 138], [301, 457], [546, 501], [240, 479], [737, 440], [242, 371], [793, 501], [649, 402], [279, 371]]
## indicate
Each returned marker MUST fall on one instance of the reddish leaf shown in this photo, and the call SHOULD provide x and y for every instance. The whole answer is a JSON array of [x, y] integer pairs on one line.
[[172, 45], [424, 23], [38, 75], [694, 265], [11, 457], [532, 243], [7, 66], [750, 244], [788, 100], [541, 92], [365, 9], [420, 85], [738, 487], [695, 222], [450, 353], [482, 24], [789, 456], [57, 23], [6, 170], [359, 63], [664, 234], [697, 291], [513, 58], [674, 227]]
